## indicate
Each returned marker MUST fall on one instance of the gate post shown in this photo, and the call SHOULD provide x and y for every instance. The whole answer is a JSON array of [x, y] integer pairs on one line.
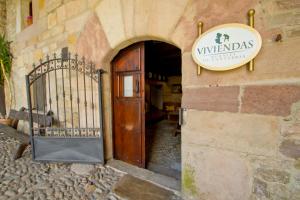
[[100, 72], [30, 113]]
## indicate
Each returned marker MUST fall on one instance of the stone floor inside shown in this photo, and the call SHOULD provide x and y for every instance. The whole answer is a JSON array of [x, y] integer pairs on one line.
[[165, 149]]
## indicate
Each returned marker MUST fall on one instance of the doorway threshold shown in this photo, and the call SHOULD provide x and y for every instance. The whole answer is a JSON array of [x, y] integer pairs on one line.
[[166, 182]]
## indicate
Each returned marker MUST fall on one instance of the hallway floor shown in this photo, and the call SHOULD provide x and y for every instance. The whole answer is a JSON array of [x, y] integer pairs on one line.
[[165, 149]]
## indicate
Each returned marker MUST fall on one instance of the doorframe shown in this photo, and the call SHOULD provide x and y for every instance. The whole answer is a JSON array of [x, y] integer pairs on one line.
[[143, 164]]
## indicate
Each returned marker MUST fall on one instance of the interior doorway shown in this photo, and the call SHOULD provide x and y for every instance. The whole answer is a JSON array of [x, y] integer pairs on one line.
[[146, 96]]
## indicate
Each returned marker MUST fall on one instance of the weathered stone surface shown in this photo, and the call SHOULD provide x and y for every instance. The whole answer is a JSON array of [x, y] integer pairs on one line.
[[164, 17], [61, 13], [254, 134], [290, 129], [215, 174], [270, 100], [260, 189], [52, 20], [267, 69], [92, 42], [279, 191], [51, 5], [211, 13], [212, 98], [130, 187], [110, 15], [76, 24], [75, 7], [290, 148], [128, 7], [142, 14], [273, 175], [288, 4], [82, 169]]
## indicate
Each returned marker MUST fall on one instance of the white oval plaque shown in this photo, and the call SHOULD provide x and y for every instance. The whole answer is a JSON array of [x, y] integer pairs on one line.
[[226, 47]]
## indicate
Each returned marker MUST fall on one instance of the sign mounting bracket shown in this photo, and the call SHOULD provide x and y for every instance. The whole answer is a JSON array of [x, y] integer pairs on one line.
[[250, 64]]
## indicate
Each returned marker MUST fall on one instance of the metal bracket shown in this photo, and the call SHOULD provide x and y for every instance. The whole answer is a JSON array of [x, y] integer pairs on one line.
[[250, 13]]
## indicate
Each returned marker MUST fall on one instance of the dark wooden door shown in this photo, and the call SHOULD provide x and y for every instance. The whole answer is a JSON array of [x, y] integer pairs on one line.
[[128, 105]]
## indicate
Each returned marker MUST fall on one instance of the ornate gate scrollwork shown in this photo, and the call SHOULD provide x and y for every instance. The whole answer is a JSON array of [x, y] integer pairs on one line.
[[70, 89]]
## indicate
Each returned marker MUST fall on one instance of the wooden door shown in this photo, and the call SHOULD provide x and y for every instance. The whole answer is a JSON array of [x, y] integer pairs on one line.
[[128, 105]]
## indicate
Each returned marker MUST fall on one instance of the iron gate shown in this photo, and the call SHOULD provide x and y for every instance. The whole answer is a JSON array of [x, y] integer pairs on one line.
[[70, 90]]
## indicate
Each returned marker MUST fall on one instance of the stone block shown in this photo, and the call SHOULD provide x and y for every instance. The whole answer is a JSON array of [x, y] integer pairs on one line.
[[267, 69], [260, 189], [288, 4], [111, 19], [290, 129], [52, 20], [212, 13], [290, 148], [279, 191], [252, 134], [293, 31], [142, 13], [164, 17], [82, 169], [273, 175], [209, 173], [270, 100], [59, 29], [53, 4], [212, 98], [92, 3], [38, 54], [41, 4], [92, 42], [76, 24], [61, 14], [128, 7], [73, 8]]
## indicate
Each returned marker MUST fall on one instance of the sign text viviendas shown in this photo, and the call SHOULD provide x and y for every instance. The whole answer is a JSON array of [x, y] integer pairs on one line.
[[226, 47]]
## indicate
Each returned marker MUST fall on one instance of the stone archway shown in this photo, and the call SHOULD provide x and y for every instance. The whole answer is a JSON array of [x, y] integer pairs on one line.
[[95, 46]]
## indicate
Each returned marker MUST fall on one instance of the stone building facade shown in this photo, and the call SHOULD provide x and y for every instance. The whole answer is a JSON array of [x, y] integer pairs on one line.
[[241, 132]]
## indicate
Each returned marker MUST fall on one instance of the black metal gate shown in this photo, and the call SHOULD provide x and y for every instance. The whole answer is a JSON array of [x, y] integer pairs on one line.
[[70, 90]]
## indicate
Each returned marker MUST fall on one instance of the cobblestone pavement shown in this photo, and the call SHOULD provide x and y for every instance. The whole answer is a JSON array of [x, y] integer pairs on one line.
[[25, 179]]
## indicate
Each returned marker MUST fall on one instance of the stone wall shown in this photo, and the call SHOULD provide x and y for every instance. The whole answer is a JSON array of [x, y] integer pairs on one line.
[[240, 139], [2, 16]]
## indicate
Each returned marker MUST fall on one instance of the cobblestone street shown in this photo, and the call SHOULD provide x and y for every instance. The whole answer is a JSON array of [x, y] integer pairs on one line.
[[25, 179]]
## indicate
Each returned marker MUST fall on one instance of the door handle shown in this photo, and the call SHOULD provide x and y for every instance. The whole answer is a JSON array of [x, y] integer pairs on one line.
[[137, 86]]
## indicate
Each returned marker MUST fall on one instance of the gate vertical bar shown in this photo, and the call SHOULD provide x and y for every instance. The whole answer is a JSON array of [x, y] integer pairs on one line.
[[85, 103], [49, 88], [77, 85], [101, 135], [30, 114], [71, 96], [64, 93], [36, 98], [92, 89], [56, 88], [44, 98]]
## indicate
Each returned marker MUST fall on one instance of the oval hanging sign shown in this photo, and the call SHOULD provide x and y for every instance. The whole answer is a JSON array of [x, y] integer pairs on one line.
[[226, 47]]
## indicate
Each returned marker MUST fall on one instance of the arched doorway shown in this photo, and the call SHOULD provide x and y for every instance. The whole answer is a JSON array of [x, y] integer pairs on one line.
[[146, 96]]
